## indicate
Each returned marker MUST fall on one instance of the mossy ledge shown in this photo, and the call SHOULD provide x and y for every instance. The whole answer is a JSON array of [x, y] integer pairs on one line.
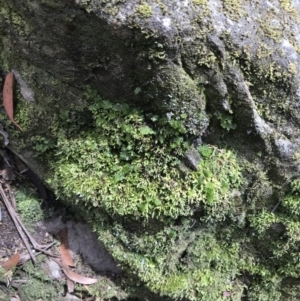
[[177, 232], [126, 168]]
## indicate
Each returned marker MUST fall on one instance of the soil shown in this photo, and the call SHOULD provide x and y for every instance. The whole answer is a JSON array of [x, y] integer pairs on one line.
[[10, 241]]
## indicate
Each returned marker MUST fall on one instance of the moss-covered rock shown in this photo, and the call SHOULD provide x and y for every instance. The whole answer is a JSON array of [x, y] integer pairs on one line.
[[168, 75]]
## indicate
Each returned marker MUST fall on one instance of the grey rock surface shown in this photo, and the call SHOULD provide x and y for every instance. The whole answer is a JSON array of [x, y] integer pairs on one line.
[[200, 58]]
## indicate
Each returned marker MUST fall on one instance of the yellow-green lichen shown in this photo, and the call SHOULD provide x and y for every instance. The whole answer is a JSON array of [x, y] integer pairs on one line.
[[233, 8], [297, 47], [144, 10], [205, 57], [288, 6], [199, 2], [162, 6], [292, 68], [271, 31]]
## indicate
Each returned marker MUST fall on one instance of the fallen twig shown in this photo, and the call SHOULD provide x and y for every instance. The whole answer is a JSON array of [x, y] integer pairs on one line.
[[25, 257], [21, 229], [16, 222], [36, 246], [12, 198]]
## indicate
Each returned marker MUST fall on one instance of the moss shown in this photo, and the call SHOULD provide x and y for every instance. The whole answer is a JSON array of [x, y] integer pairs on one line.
[[189, 100], [144, 10], [38, 284], [125, 161], [141, 163], [3, 296], [177, 262], [34, 289], [112, 138], [52, 4], [106, 289], [29, 207], [175, 283], [12, 17], [206, 57]]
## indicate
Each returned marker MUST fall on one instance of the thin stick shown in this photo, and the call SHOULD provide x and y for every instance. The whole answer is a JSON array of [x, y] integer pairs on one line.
[[36, 246], [275, 207], [12, 198], [25, 257], [16, 222]]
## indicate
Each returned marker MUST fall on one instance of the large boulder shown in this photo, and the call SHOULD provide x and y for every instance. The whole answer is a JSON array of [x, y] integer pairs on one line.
[[224, 73]]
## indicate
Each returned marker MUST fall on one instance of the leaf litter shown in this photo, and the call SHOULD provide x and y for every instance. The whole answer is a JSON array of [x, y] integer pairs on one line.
[[11, 262], [22, 257], [74, 276], [64, 248], [8, 98]]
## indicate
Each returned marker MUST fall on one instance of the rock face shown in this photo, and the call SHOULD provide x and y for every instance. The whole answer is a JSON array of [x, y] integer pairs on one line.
[[237, 62], [228, 71]]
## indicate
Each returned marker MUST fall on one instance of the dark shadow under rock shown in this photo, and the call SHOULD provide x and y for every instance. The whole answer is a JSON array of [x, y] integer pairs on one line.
[[84, 242]]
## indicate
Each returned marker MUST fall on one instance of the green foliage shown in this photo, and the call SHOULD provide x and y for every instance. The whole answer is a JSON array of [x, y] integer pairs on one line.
[[42, 144], [106, 289], [28, 205], [178, 262], [263, 220], [264, 290], [38, 284], [226, 122], [206, 151], [292, 201], [128, 162]]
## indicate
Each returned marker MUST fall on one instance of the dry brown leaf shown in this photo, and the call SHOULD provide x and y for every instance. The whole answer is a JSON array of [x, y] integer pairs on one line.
[[74, 276], [10, 263], [8, 97], [64, 248]]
